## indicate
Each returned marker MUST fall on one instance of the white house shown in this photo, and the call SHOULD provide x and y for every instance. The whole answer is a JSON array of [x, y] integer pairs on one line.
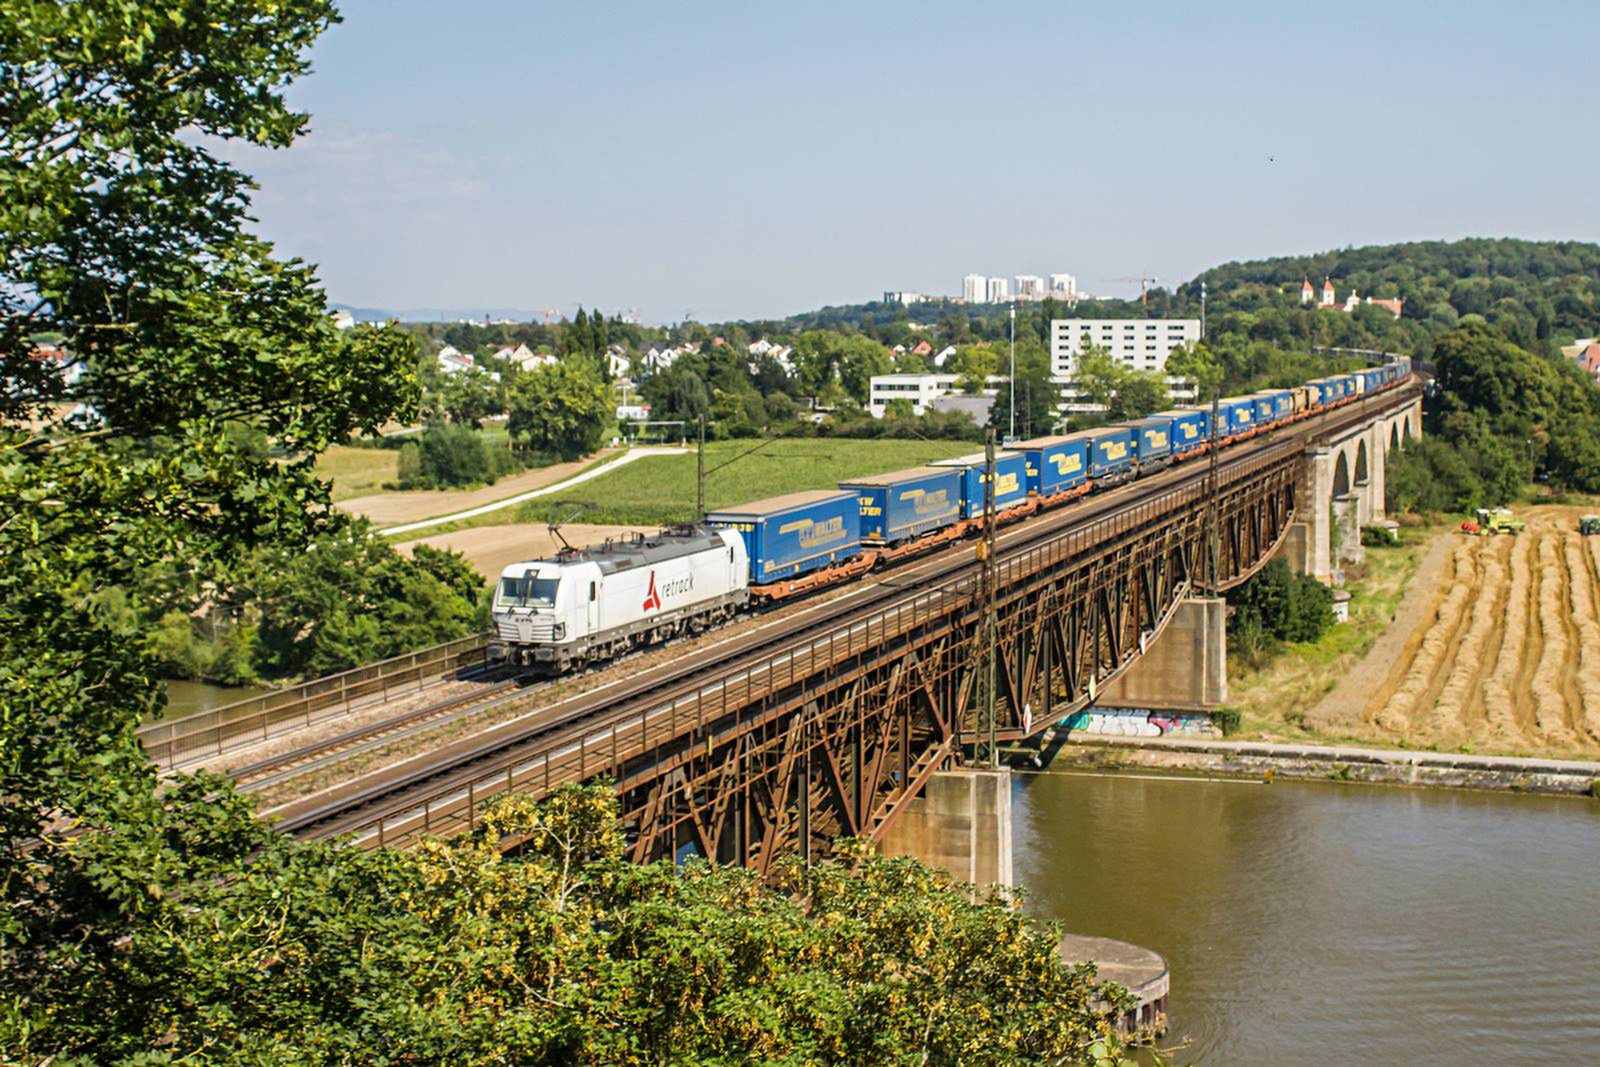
[[452, 361], [343, 320], [944, 355], [617, 362], [524, 357]]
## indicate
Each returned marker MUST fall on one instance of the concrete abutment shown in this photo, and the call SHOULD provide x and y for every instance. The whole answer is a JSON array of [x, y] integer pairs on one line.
[[961, 821], [1186, 666]]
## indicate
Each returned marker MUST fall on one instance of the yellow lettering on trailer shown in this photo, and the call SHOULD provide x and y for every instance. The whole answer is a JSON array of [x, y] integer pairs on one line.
[[1068, 462], [1114, 449], [1155, 439], [815, 534]]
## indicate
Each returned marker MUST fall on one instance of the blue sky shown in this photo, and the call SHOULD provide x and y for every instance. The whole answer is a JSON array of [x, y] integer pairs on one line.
[[747, 160]]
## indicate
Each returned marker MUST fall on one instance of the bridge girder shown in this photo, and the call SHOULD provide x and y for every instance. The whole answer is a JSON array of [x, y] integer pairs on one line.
[[810, 754]]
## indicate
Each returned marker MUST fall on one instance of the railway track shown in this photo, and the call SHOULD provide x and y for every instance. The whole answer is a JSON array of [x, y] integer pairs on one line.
[[283, 766], [551, 730]]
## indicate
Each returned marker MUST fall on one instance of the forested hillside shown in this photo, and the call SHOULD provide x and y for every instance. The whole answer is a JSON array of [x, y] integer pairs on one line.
[[1535, 291]]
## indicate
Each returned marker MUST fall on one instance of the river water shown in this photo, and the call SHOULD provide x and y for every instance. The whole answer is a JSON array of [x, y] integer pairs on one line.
[[186, 698], [1310, 922]]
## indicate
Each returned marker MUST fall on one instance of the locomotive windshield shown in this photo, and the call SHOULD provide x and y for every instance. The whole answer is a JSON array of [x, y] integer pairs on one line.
[[528, 591]]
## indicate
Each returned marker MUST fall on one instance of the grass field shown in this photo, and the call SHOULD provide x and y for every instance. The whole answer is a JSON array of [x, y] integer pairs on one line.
[[1273, 696], [357, 471], [662, 489]]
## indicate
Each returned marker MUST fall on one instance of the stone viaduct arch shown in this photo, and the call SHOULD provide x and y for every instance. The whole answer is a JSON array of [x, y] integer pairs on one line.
[[1344, 491]]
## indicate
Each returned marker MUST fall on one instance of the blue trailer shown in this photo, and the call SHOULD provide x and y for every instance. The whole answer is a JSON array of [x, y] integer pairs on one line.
[[1055, 464], [1190, 428], [1235, 415], [1273, 404], [1110, 449], [1152, 439], [904, 504], [795, 533], [1010, 481], [1319, 393]]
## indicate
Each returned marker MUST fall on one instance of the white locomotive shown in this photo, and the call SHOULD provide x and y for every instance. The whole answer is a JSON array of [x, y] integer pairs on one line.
[[595, 603]]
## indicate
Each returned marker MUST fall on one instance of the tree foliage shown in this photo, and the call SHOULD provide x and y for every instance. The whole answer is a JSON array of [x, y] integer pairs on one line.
[[1125, 393], [562, 409], [1278, 604], [122, 236], [564, 953], [452, 454]]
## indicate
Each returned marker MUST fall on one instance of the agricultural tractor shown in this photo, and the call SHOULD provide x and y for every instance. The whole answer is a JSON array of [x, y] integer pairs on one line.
[[1589, 525], [1491, 521]]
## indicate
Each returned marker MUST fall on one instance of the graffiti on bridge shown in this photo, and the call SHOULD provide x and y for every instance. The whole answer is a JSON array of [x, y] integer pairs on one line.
[[1140, 722]]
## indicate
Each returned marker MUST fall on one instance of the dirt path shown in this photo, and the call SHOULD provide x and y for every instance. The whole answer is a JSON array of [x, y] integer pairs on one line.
[[1345, 705], [491, 548], [390, 509]]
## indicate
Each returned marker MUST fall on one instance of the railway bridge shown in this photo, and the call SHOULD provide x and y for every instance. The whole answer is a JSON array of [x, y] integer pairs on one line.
[[806, 726]]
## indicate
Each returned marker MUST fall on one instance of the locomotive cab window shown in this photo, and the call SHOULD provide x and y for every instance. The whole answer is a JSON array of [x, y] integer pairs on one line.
[[529, 592], [591, 591]]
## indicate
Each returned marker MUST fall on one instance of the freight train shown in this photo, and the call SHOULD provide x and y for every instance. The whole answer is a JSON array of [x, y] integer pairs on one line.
[[591, 604]]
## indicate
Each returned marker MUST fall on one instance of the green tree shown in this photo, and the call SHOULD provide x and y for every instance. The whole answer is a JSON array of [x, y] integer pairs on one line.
[[1125, 393], [451, 455], [122, 236], [1196, 364], [560, 408], [1037, 395]]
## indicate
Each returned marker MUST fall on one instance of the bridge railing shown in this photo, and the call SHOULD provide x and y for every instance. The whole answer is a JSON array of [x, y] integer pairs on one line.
[[175, 742]]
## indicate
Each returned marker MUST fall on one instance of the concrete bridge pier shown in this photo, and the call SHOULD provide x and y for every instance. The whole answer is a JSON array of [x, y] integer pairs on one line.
[[961, 821], [1346, 517], [1185, 667]]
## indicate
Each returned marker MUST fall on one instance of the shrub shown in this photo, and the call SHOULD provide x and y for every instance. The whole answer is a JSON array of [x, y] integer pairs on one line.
[[1279, 604], [449, 455]]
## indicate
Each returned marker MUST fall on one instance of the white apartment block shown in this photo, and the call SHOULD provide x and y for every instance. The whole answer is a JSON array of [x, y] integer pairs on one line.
[[975, 289], [921, 389], [999, 290], [1139, 344], [1029, 287], [1063, 285]]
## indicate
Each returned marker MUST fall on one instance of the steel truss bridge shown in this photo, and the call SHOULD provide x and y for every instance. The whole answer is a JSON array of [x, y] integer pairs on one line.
[[826, 723]]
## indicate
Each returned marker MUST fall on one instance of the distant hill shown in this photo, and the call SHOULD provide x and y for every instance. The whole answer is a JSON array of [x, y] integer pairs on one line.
[[1541, 293], [477, 314], [1535, 290]]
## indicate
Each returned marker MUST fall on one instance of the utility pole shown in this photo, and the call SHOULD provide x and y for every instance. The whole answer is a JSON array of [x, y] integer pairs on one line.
[[1213, 533], [1011, 383], [1202, 312], [986, 751], [700, 475]]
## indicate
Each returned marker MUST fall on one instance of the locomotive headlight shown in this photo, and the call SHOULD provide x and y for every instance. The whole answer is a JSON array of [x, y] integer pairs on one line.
[[558, 631]]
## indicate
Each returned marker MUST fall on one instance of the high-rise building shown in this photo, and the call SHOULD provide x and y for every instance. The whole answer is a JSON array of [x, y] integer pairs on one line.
[[975, 289], [999, 290], [1063, 285], [1138, 344], [1029, 287]]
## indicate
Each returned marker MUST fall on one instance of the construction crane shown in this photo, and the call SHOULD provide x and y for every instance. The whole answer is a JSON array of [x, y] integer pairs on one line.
[[1145, 281]]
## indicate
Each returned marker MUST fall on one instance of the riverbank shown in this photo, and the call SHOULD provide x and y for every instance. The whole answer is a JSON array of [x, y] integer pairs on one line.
[[1260, 759]]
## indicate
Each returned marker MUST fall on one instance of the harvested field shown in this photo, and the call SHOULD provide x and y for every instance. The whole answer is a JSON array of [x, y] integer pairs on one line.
[[1507, 658]]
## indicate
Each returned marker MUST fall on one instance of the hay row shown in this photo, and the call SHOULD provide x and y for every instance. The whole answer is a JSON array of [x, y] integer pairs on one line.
[[1547, 682], [1401, 709], [1453, 709], [1499, 706]]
